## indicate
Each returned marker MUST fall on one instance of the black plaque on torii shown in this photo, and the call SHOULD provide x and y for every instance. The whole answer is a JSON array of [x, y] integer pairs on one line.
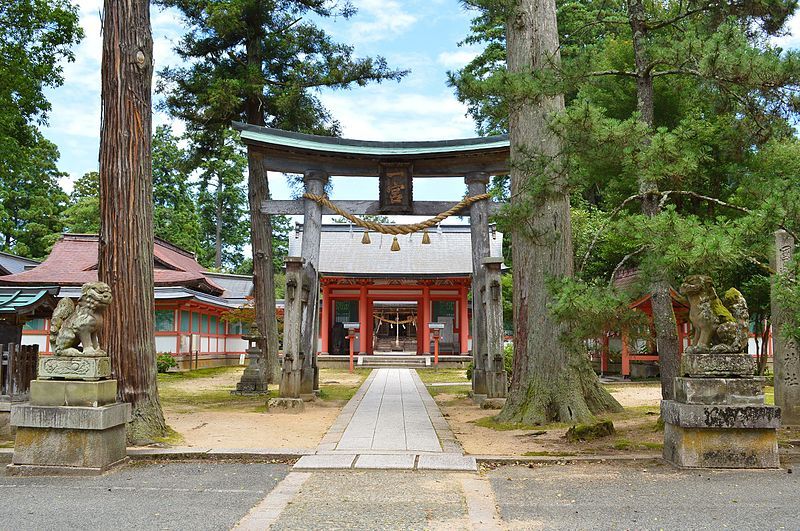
[[396, 188]]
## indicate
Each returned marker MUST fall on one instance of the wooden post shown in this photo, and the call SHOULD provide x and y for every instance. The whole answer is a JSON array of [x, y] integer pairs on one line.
[[463, 322], [326, 321], [786, 352], [294, 307], [604, 354], [496, 377], [479, 226], [315, 182]]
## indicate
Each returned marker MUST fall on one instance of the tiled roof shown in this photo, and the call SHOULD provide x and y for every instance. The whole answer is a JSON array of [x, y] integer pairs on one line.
[[11, 263], [27, 301], [73, 262], [237, 287], [448, 254]]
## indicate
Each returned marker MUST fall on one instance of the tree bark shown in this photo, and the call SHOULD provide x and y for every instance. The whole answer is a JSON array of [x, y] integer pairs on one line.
[[551, 380], [667, 341], [125, 258], [260, 224], [218, 228]]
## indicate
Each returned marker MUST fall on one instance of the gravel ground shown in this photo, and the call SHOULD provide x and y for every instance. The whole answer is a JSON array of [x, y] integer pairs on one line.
[[593, 496], [377, 500], [196, 496]]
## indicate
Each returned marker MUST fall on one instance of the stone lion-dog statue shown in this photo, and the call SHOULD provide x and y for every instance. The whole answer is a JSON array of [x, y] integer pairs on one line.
[[720, 325], [73, 325]]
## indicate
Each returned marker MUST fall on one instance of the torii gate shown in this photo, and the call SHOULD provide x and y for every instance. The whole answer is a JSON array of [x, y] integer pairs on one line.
[[396, 164]]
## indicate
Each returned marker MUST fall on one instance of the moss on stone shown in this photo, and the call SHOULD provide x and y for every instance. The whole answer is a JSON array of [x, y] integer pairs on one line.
[[720, 310], [590, 431]]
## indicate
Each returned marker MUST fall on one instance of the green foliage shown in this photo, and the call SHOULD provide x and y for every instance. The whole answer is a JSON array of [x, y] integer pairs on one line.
[[82, 216], [175, 217], [237, 51], [165, 362]]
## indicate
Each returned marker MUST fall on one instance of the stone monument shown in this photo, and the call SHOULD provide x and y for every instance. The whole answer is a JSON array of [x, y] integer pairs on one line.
[[717, 418], [73, 423], [254, 378]]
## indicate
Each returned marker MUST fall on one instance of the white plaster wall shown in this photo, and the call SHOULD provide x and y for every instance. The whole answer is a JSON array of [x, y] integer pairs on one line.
[[166, 344], [36, 339]]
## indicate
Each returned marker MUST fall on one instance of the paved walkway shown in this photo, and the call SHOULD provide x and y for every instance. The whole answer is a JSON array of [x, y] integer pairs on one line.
[[391, 423]]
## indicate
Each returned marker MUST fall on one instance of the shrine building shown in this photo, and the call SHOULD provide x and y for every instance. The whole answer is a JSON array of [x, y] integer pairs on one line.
[[394, 295]]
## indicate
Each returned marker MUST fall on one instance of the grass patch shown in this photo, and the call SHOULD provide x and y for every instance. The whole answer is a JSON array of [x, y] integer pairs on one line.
[[195, 374], [549, 454], [6, 444], [769, 395], [461, 390], [185, 401], [429, 376], [493, 424], [622, 444], [172, 438], [652, 445], [337, 392]]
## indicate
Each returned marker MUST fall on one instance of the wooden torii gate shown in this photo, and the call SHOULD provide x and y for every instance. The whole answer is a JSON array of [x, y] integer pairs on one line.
[[396, 164]]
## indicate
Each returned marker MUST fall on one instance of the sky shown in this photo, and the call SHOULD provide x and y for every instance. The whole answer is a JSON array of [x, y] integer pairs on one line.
[[418, 35]]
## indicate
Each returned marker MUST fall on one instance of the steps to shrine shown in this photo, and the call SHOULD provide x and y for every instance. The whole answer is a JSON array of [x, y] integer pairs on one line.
[[395, 360]]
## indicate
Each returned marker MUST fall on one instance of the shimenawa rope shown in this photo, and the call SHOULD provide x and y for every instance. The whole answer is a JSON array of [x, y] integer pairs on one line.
[[396, 229]]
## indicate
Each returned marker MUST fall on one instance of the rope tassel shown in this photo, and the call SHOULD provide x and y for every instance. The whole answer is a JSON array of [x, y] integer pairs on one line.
[[365, 238], [395, 244], [426, 238]]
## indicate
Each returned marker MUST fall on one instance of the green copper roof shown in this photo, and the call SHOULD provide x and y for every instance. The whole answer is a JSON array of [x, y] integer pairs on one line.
[[344, 146], [22, 300]]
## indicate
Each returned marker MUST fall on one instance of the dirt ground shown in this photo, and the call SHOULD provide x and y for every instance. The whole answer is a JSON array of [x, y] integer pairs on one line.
[[635, 427], [204, 413]]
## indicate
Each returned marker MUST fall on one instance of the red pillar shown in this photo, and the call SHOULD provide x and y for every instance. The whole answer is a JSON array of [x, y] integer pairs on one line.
[[363, 331], [626, 362], [463, 322], [426, 316], [325, 326], [370, 327]]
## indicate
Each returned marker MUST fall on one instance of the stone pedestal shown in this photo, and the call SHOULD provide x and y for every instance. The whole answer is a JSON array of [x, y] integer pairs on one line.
[[74, 367], [69, 428], [253, 380], [719, 422]]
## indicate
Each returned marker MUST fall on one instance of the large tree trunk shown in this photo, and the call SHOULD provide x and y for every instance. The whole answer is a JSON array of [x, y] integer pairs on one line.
[[667, 341], [218, 225], [126, 211], [260, 224], [552, 379]]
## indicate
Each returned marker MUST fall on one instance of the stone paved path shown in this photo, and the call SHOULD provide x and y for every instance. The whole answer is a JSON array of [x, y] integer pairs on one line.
[[391, 423]]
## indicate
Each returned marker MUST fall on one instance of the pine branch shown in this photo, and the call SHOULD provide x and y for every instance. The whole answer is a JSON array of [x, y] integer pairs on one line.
[[621, 263], [688, 13]]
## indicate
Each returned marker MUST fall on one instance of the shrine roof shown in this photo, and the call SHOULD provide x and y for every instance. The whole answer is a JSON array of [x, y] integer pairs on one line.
[[73, 262], [11, 263], [449, 254], [297, 152], [29, 302]]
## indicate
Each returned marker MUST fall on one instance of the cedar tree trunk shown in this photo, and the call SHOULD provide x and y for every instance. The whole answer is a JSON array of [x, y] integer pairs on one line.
[[125, 259], [551, 380], [260, 224], [667, 341]]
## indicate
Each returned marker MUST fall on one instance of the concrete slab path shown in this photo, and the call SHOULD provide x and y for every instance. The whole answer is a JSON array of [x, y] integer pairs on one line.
[[392, 422]]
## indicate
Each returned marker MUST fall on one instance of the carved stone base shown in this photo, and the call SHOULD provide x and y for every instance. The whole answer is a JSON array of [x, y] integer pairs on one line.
[[73, 393], [479, 385], [730, 391], [74, 368], [496, 384], [720, 436], [717, 365], [66, 440]]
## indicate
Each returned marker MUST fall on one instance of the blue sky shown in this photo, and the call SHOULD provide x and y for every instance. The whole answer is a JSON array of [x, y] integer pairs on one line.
[[420, 35]]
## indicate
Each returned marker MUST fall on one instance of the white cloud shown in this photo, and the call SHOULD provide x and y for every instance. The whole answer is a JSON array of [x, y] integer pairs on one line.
[[379, 19], [456, 59], [792, 40]]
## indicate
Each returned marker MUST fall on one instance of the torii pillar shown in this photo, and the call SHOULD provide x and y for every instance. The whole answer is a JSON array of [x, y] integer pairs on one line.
[[479, 226]]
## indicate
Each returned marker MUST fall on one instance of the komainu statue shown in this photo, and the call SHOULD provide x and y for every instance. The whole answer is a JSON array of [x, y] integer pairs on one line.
[[720, 326], [73, 325]]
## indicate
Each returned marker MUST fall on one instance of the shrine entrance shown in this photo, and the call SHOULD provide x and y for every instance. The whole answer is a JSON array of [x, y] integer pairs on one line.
[[398, 286]]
